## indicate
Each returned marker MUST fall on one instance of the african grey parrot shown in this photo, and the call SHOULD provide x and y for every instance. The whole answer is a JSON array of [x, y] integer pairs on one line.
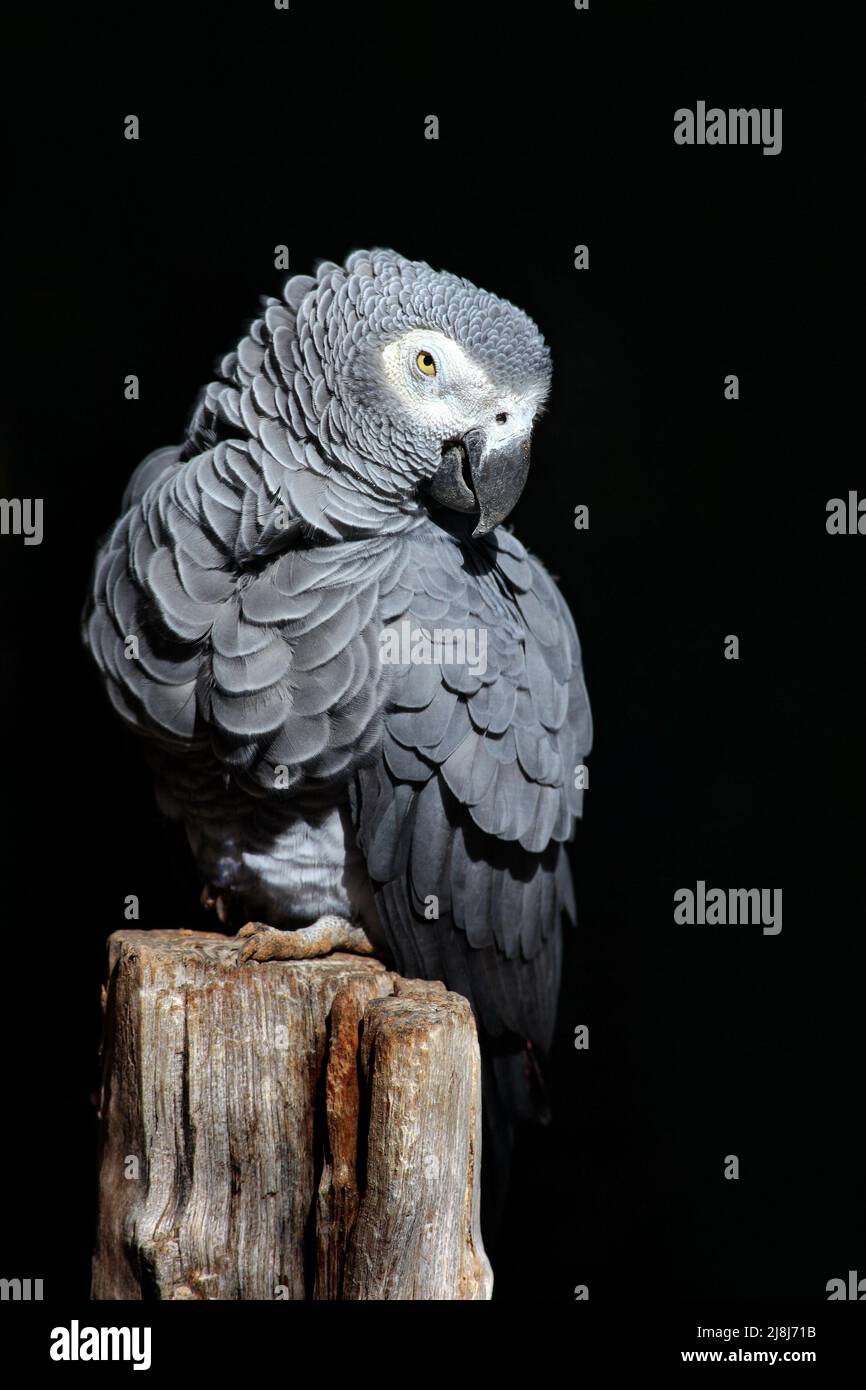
[[265, 614]]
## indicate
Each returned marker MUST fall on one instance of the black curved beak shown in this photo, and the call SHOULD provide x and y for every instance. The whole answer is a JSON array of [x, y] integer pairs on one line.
[[473, 478], [498, 477]]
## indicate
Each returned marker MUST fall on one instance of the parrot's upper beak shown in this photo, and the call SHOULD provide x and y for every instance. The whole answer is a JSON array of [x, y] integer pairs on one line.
[[475, 478]]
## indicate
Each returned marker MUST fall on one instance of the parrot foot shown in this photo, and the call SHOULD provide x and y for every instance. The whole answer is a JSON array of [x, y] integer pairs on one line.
[[329, 933]]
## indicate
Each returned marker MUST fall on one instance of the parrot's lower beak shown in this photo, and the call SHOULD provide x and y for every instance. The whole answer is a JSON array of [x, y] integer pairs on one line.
[[475, 478]]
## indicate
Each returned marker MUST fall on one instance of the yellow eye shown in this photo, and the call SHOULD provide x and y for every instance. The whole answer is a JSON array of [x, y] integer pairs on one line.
[[425, 363]]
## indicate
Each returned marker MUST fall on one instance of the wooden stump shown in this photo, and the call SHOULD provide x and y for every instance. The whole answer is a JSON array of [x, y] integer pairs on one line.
[[297, 1130]]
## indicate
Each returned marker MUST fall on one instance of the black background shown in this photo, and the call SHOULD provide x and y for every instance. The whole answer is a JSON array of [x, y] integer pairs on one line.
[[707, 518]]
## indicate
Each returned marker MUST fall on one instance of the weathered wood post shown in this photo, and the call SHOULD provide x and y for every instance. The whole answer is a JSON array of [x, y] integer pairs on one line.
[[301, 1130]]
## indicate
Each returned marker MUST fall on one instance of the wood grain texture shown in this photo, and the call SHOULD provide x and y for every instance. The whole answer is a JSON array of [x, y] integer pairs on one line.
[[289, 1129]]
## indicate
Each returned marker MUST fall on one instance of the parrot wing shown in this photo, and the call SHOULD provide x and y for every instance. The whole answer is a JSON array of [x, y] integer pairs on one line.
[[463, 816]]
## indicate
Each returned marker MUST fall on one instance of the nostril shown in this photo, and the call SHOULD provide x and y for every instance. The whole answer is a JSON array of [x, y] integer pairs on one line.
[[501, 418]]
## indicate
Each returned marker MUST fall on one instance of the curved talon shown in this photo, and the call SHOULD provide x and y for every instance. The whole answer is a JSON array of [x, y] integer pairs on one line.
[[253, 951], [212, 901]]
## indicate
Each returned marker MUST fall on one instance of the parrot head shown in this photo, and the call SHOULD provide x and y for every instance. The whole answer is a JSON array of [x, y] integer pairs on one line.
[[475, 427], [437, 384]]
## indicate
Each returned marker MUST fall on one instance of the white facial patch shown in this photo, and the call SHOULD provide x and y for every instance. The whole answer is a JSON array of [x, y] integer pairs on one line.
[[448, 393]]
